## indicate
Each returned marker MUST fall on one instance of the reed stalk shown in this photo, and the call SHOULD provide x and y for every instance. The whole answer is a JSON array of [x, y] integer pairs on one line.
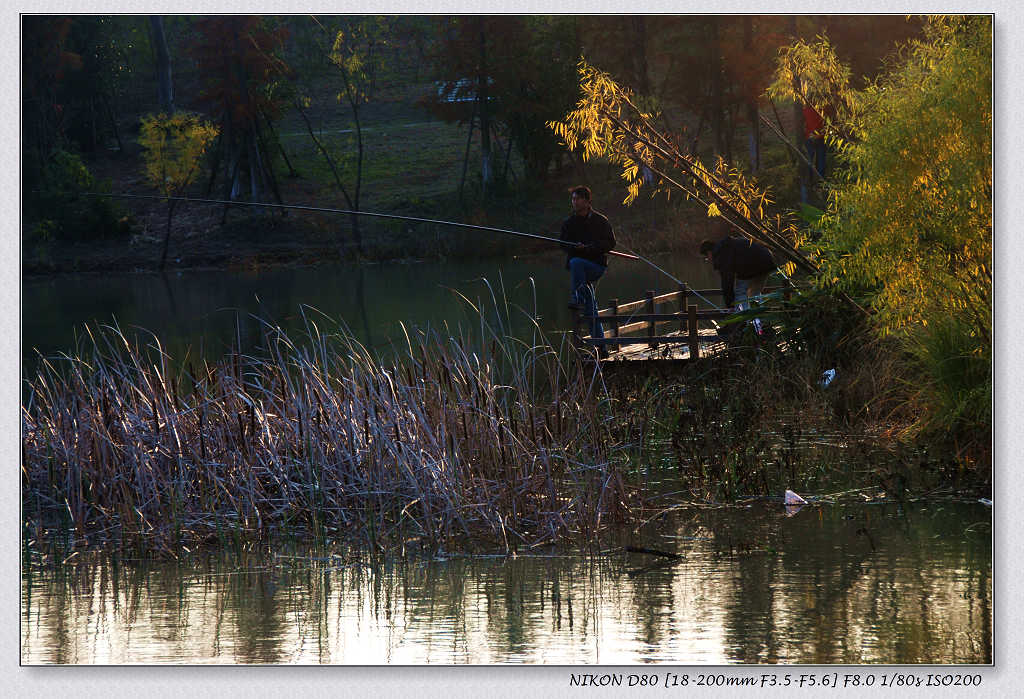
[[453, 439]]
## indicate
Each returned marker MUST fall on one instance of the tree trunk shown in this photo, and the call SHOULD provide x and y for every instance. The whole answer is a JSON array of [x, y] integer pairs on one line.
[[508, 158], [113, 121], [485, 123], [798, 131], [167, 233], [292, 172], [717, 115], [268, 168], [236, 174], [695, 142], [255, 170], [639, 53], [357, 233], [337, 179], [752, 111], [218, 153], [465, 158], [163, 64]]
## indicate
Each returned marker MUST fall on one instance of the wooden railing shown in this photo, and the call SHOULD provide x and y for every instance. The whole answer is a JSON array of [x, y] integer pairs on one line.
[[637, 322]]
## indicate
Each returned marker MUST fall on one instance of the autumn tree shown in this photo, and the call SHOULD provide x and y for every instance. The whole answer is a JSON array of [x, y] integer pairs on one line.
[[46, 61], [245, 91], [912, 210], [609, 122], [173, 147], [908, 225], [105, 52], [355, 51]]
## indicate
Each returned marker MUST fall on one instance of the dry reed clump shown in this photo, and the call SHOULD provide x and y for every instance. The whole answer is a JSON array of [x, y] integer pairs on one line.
[[504, 446]]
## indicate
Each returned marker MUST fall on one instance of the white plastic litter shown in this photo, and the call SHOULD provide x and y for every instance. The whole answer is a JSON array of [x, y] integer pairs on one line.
[[827, 376], [985, 501], [794, 499]]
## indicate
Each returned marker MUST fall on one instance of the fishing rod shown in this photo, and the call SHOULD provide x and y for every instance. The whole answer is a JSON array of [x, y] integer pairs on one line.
[[321, 209]]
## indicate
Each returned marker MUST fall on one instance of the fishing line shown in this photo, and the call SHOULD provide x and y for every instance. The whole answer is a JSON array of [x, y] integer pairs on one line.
[[347, 211], [677, 281], [629, 254]]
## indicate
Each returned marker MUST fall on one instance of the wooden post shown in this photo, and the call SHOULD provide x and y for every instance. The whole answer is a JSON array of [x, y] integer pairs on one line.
[[615, 324], [694, 335], [650, 323], [682, 308]]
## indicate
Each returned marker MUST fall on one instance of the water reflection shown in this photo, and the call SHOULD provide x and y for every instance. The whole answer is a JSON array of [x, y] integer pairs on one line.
[[853, 584], [209, 312]]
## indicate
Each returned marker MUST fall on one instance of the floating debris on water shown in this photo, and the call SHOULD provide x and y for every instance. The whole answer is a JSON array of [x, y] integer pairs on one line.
[[794, 499], [793, 509], [794, 503]]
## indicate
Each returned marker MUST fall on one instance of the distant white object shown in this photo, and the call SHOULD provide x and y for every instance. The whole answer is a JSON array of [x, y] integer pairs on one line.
[[985, 501], [462, 90], [827, 376], [794, 499]]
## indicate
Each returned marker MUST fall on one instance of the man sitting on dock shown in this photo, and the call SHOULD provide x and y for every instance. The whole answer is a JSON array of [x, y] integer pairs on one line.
[[744, 267], [586, 238]]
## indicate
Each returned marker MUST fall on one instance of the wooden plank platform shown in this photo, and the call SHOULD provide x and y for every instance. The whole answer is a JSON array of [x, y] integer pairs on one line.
[[639, 331], [710, 345]]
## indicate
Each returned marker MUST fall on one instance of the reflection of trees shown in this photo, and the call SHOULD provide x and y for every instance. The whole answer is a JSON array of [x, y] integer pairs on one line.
[[752, 634], [808, 589], [251, 603], [654, 601], [743, 538], [361, 305], [507, 590], [857, 590], [927, 600]]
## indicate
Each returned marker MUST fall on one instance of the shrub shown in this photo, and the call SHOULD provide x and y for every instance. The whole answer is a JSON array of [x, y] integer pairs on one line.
[[57, 203]]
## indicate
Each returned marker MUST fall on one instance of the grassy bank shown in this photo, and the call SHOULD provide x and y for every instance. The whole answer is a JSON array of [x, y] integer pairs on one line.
[[413, 167]]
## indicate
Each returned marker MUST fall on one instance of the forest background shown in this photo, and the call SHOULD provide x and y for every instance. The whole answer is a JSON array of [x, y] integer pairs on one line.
[[392, 117]]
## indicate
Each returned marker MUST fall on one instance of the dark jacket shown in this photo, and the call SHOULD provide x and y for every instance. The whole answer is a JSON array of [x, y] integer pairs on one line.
[[594, 231], [739, 258]]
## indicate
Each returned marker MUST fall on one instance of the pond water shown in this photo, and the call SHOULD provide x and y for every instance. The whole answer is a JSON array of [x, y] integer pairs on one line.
[[849, 583], [855, 583], [207, 312]]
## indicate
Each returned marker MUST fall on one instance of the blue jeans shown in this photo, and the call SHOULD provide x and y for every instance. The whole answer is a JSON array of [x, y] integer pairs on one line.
[[744, 289], [816, 154], [583, 272]]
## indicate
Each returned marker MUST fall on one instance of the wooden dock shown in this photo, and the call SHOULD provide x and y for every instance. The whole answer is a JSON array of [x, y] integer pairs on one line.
[[657, 327]]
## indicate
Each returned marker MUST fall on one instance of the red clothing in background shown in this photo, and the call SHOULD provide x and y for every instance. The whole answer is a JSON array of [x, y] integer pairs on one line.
[[812, 122]]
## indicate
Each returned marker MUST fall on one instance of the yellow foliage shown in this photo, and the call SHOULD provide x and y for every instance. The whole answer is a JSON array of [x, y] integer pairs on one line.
[[611, 122], [909, 213], [172, 148]]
